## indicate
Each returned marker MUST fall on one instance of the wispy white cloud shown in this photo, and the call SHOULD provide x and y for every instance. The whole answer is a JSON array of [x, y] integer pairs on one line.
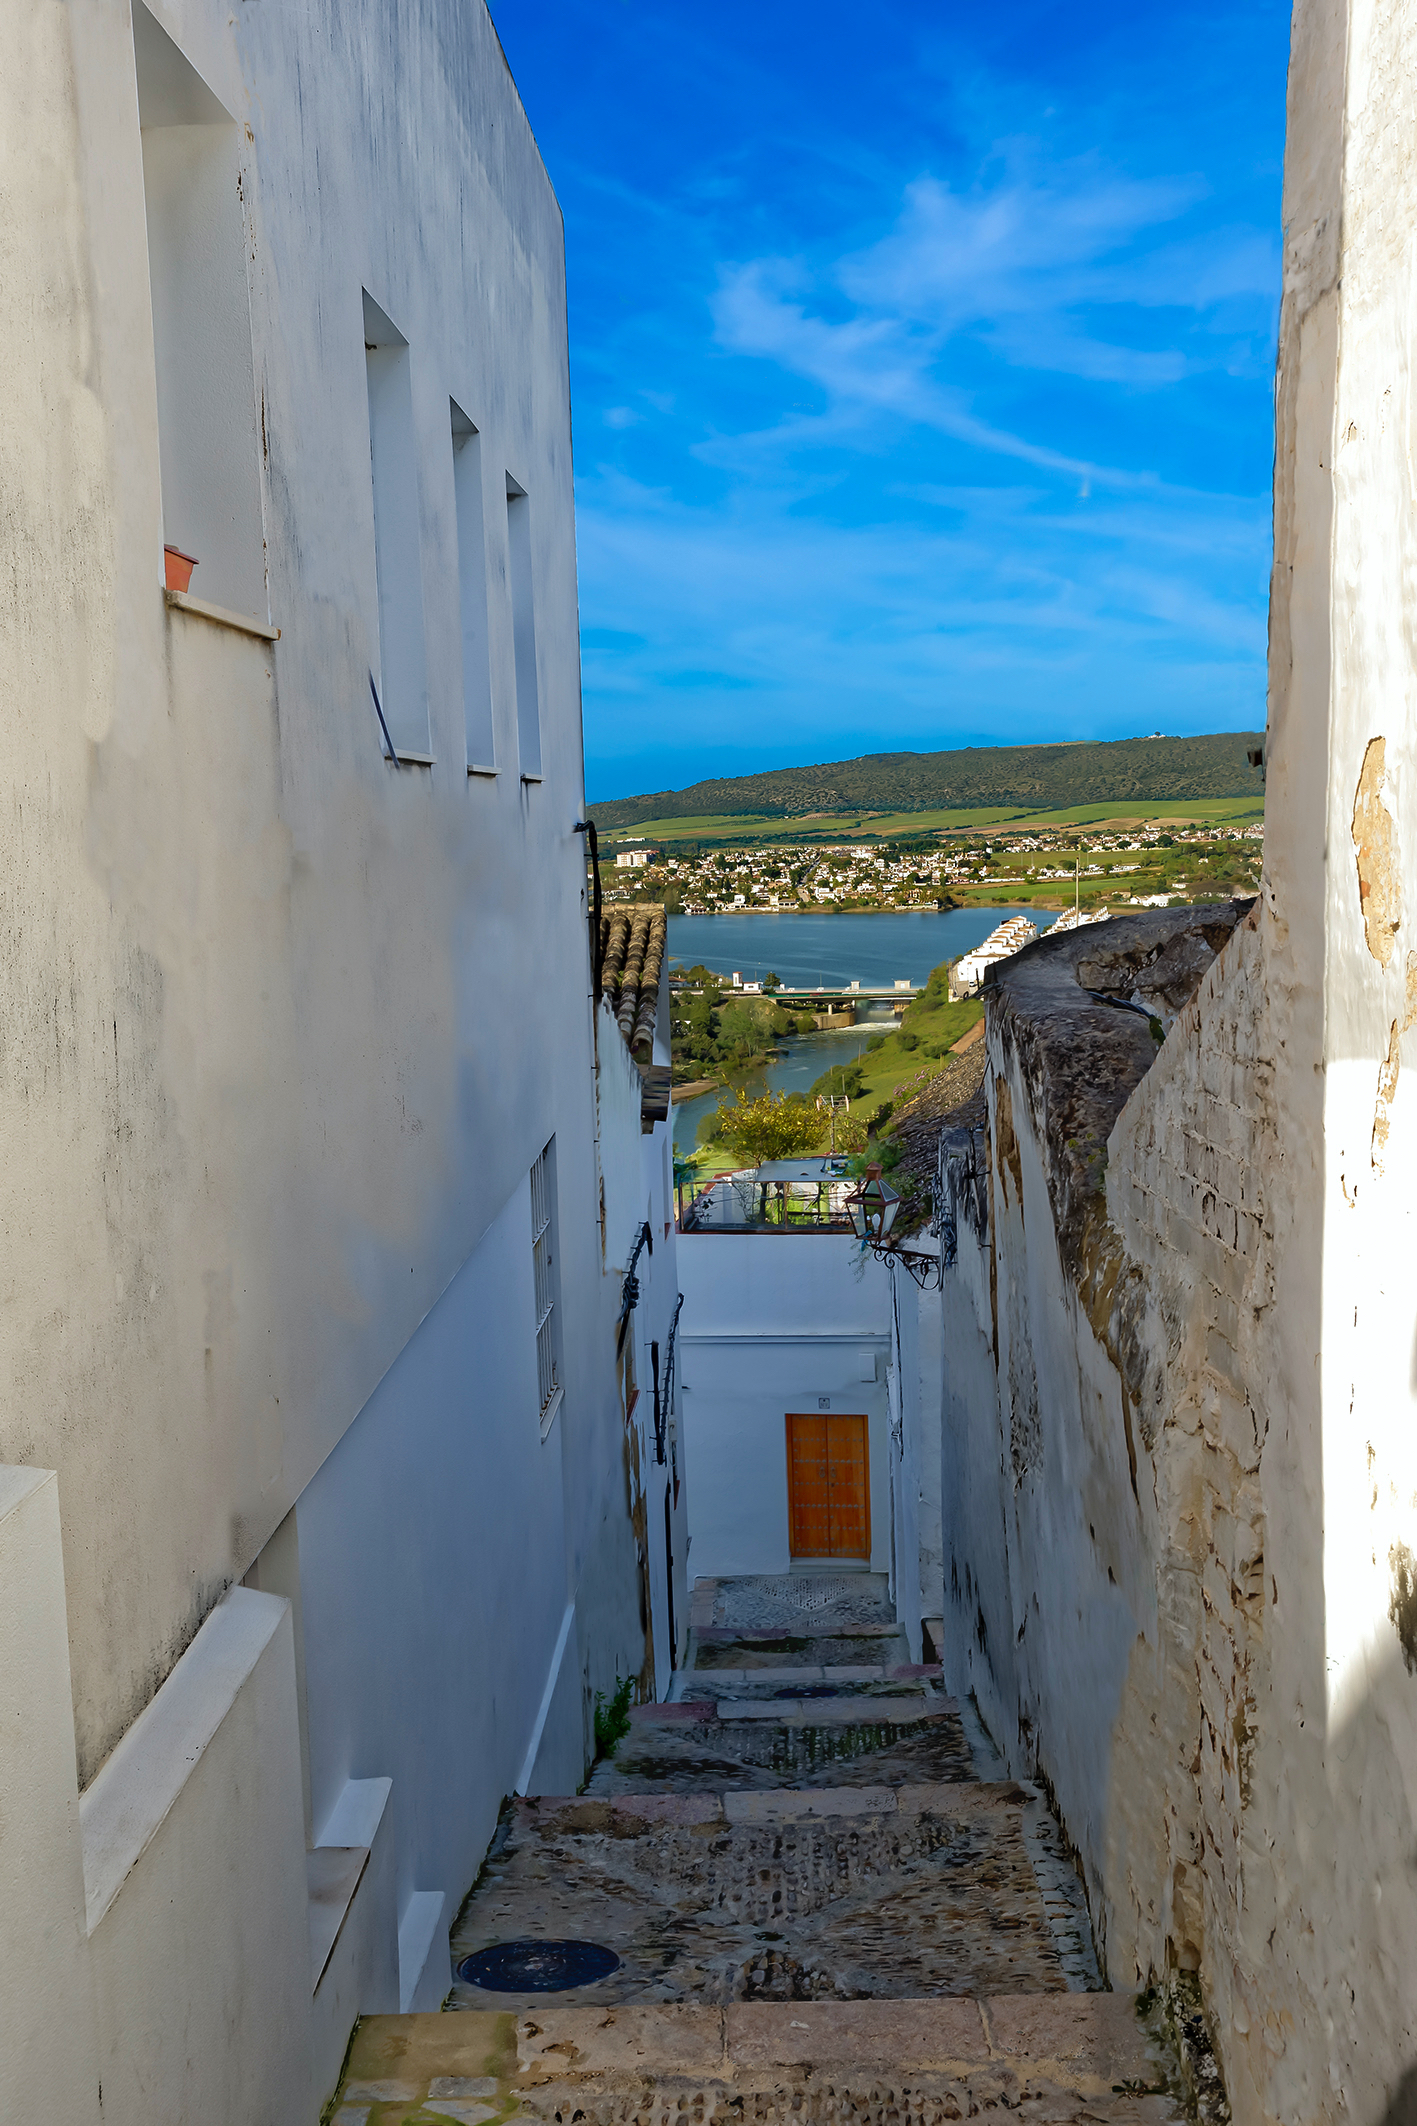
[[907, 633], [876, 364], [1015, 267], [950, 368]]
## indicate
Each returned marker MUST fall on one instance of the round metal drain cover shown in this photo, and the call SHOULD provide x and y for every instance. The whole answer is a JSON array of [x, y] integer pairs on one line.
[[538, 1966]]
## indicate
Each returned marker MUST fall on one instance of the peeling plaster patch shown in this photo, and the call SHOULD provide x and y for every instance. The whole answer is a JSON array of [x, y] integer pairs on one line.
[[1387, 1086], [1391, 1063], [1375, 840], [1402, 1609]]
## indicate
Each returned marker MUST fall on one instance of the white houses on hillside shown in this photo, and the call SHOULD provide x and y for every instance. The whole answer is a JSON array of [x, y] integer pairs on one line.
[[320, 1527], [969, 969]]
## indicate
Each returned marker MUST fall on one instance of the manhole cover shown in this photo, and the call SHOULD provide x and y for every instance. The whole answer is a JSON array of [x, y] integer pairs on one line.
[[538, 1966]]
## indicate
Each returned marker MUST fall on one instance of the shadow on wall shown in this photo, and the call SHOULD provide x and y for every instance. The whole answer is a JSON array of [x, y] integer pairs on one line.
[[1402, 2111]]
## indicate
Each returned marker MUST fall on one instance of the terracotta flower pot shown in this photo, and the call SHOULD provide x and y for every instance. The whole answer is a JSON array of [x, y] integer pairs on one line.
[[179, 567]]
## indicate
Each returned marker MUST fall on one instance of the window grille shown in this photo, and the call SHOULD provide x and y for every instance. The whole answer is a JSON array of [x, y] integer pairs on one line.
[[543, 1239]]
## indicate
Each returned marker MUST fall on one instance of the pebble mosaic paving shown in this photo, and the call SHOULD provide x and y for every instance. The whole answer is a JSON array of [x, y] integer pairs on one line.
[[828, 1905]]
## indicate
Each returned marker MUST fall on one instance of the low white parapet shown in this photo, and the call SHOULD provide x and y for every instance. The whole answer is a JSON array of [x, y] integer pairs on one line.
[[195, 1885], [129, 1800]]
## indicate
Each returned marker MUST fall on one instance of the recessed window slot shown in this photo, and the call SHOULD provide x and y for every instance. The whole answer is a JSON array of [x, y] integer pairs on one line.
[[523, 630], [472, 595], [398, 565], [209, 452]]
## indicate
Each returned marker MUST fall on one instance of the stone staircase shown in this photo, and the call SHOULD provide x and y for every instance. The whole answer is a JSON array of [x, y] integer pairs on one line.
[[802, 1891]]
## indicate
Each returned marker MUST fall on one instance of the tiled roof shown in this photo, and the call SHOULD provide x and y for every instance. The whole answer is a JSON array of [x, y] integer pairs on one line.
[[632, 947]]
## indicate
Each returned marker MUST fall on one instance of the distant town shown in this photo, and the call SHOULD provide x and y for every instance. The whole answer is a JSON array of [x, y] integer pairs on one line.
[[1114, 863]]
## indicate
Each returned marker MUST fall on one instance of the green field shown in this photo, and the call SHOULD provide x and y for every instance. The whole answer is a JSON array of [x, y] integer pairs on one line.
[[934, 1021], [873, 827], [1027, 778]]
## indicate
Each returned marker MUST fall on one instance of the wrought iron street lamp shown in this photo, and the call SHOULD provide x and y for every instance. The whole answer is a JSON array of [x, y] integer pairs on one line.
[[873, 1209]]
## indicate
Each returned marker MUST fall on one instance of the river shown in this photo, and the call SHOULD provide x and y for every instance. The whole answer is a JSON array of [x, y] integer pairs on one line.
[[830, 951]]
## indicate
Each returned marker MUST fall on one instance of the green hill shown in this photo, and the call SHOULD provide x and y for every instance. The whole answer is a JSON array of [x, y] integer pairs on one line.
[[1041, 778]]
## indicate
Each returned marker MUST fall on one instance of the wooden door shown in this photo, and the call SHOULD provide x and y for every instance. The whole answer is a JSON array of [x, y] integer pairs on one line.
[[828, 1487]]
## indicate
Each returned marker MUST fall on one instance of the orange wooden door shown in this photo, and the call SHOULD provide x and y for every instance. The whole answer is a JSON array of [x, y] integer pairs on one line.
[[828, 1487]]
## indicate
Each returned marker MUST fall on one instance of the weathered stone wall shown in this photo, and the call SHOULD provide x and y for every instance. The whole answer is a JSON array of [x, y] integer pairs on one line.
[[1190, 1191], [1181, 1496], [1104, 1507]]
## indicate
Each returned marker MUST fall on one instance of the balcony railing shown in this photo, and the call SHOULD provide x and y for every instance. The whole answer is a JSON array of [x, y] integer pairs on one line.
[[786, 1197]]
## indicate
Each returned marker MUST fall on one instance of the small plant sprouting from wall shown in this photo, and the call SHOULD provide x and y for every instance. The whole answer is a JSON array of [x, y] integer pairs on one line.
[[612, 1716]]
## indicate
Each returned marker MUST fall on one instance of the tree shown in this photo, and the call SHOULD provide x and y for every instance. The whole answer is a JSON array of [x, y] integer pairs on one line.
[[848, 1078], [850, 1134], [744, 1027], [772, 981], [770, 1128]]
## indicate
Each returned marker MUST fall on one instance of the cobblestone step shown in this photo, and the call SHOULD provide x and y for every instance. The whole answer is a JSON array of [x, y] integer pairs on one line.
[[789, 1600], [694, 1683], [836, 1894], [1059, 2061], [802, 1645], [826, 1903], [688, 1748]]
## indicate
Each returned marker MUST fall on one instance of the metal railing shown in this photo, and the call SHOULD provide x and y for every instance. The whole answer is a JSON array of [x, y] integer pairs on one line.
[[743, 1203]]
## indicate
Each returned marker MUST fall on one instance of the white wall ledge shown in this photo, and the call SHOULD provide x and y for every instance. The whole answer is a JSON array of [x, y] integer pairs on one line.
[[333, 1874], [184, 602], [552, 1674], [356, 1816], [335, 1866], [128, 1801], [425, 1973]]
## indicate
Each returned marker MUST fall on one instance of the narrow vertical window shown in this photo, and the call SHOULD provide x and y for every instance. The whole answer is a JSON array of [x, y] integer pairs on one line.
[[208, 430], [523, 630], [398, 566], [472, 595], [545, 1282]]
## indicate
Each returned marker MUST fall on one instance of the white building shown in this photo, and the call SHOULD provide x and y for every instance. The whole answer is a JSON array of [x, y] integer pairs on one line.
[[1078, 918], [315, 1538], [1010, 937], [786, 1346]]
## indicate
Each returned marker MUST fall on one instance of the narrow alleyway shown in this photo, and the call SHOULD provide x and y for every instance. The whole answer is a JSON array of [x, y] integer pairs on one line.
[[801, 1890]]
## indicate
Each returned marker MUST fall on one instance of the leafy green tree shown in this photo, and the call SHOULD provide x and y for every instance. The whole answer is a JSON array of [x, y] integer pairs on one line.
[[848, 1078], [744, 1028], [773, 1127]]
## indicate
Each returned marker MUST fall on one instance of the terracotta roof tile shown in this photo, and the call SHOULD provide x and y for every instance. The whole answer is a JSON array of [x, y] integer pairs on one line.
[[633, 942]]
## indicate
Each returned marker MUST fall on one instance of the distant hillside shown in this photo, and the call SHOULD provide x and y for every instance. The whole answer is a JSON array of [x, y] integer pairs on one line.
[[1148, 770]]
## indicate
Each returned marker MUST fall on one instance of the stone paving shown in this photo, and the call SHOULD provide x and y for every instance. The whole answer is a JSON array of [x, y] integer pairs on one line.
[[826, 1902]]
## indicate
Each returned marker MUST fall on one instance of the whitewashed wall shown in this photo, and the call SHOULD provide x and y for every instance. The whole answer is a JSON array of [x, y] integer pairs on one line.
[[639, 1189], [775, 1323], [287, 1026], [913, 1402]]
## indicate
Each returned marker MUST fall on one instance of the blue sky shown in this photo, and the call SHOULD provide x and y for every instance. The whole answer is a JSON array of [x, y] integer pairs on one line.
[[922, 369]]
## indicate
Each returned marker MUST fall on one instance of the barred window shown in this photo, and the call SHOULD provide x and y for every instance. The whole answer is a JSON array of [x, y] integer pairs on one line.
[[543, 1262]]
